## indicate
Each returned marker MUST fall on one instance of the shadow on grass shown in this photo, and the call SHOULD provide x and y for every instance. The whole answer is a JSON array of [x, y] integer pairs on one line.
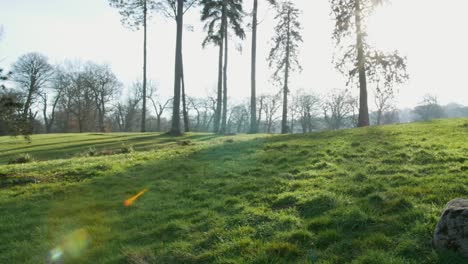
[[219, 203], [141, 142]]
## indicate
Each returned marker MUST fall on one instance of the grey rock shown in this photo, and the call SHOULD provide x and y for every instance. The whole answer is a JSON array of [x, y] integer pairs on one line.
[[451, 232]]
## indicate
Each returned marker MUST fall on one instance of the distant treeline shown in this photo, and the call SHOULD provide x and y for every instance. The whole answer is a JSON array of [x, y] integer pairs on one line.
[[88, 97], [79, 97]]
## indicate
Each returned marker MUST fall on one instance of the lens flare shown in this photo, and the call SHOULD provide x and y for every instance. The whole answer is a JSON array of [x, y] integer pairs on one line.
[[73, 245], [56, 254], [132, 199]]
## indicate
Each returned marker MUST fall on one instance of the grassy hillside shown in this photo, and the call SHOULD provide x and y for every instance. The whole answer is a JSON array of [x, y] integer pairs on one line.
[[368, 195]]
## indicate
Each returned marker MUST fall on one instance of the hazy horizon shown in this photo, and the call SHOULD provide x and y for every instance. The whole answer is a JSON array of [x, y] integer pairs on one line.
[[429, 33]]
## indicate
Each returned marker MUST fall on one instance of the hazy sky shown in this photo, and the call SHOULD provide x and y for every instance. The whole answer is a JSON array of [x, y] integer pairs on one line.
[[431, 33]]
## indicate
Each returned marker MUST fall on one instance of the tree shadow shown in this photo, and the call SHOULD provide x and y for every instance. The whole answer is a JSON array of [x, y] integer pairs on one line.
[[204, 194]]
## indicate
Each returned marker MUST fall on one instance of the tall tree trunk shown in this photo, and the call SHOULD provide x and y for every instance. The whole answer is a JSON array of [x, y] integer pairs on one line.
[[102, 114], [100, 122], [184, 104], [44, 113], [224, 119], [253, 101], [217, 114], [175, 128], [363, 119], [143, 111], [67, 118], [379, 117], [259, 120], [52, 114], [80, 124], [197, 125], [219, 99], [291, 128], [284, 122], [27, 104], [158, 123]]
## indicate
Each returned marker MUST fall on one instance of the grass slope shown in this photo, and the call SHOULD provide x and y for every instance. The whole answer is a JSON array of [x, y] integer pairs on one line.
[[368, 195]]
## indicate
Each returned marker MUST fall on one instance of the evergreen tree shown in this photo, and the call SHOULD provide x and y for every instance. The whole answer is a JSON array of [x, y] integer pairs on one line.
[[10, 109], [219, 16], [176, 9], [284, 53], [3, 78], [135, 13], [170, 9], [253, 70]]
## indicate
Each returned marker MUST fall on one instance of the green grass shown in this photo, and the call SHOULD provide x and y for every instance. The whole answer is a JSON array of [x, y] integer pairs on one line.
[[369, 195]]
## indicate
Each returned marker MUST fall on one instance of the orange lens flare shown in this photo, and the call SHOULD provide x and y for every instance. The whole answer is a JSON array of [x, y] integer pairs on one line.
[[132, 199]]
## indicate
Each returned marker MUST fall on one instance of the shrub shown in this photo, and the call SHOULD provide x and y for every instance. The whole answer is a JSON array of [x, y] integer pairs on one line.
[[21, 159], [106, 152], [184, 143], [126, 149], [91, 152]]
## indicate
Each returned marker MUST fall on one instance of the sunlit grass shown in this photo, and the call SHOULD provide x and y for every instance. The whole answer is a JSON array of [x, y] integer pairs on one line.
[[364, 196]]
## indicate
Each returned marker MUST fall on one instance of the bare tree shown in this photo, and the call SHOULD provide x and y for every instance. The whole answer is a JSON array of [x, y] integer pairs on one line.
[[31, 72], [204, 109], [209, 106], [67, 78], [238, 118], [82, 101], [429, 108], [271, 105], [104, 85], [308, 106], [384, 102], [158, 105], [59, 83], [338, 109], [126, 112], [82, 93]]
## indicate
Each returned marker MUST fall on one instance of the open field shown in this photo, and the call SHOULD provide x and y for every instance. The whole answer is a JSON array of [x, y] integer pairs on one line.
[[371, 195]]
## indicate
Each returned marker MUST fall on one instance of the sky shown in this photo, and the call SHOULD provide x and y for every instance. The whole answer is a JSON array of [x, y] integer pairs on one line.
[[431, 33]]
